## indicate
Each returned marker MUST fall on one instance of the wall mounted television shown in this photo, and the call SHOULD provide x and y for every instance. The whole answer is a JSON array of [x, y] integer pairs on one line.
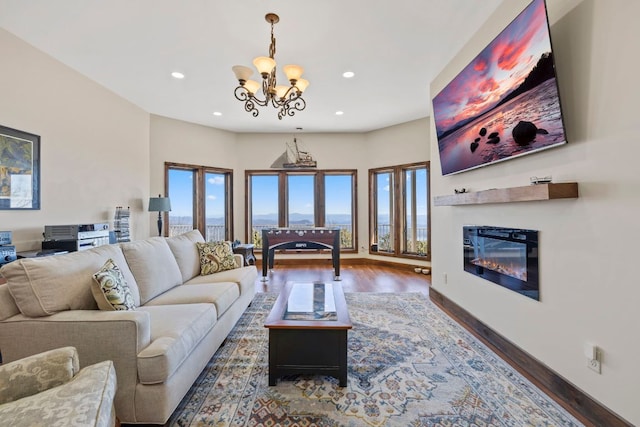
[[505, 103]]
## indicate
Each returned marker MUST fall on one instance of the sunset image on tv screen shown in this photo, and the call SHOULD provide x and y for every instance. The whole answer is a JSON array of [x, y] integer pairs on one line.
[[505, 103]]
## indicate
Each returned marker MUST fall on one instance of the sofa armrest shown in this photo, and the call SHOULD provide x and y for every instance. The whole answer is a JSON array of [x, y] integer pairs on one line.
[[239, 259], [37, 373], [94, 333], [85, 400]]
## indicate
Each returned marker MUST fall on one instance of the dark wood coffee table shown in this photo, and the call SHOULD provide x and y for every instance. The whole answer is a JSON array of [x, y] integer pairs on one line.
[[308, 332]]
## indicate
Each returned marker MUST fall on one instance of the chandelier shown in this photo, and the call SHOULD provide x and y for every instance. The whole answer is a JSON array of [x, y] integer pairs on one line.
[[287, 98]]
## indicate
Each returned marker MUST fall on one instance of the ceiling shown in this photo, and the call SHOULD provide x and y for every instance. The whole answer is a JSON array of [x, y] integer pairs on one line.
[[395, 48]]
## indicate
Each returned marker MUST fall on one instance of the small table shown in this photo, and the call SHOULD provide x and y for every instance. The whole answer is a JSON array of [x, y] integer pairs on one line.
[[246, 250], [308, 332]]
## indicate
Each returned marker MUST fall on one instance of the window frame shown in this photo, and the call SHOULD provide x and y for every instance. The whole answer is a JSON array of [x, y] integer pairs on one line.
[[398, 210], [199, 194], [319, 198]]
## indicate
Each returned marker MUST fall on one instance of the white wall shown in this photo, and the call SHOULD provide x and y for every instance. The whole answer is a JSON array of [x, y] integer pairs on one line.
[[176, 141], [400, 144], [588, 246], [94, 144]]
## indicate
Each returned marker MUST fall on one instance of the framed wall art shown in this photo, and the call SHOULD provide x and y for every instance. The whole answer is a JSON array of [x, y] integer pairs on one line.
[[19, 170]]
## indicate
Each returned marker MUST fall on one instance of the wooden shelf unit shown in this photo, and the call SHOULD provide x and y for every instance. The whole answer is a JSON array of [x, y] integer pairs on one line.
[[565, 190]]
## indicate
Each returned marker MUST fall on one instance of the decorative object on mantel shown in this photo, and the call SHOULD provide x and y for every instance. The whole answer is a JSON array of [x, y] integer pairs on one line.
[[19, 170], [159, 204], [294, 157], [540, 180], [564, 190], [460, 191], [287, 98]]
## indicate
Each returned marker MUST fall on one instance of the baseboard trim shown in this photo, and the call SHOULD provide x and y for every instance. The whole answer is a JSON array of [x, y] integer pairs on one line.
[[535, 371]]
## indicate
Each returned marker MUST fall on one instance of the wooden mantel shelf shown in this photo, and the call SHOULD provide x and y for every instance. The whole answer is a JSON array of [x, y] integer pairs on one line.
[[565, 190]]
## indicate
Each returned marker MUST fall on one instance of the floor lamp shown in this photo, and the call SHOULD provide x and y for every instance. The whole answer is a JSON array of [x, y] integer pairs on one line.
[[159, 204]]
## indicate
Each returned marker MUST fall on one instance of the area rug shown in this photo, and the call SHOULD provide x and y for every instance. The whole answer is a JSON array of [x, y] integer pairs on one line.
[[410, 365]]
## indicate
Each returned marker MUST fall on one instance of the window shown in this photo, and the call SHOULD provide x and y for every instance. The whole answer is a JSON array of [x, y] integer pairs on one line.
[[200, 199], [384, 189], [301, 200], [264, 206], [339, 206], [415, 230], [399, 216], [322, 198]]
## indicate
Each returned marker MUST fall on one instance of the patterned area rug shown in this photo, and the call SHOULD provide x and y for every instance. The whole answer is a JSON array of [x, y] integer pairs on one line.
[[409, 365]]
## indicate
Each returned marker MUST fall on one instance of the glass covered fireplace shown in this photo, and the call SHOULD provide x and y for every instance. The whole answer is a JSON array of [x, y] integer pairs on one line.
[[506, 256]]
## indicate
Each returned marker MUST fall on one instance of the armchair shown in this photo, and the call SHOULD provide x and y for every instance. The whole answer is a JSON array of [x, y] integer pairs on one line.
[[49, 389]]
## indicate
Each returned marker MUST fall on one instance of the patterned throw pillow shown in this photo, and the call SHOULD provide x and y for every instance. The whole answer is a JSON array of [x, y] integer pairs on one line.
[[215, 257], [110, 289]]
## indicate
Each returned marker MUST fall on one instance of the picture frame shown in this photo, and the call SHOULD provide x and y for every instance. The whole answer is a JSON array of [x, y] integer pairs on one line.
[[19, 170]]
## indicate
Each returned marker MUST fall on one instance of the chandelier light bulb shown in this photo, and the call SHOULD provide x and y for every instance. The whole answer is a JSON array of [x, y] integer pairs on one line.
[[302, 84], [293, 72], [281, 90], [252, 86], [264, 64], [242, 72]]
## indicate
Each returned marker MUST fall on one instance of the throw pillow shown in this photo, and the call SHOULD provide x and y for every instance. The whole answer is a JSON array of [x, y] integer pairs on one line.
[[215, 257], [110, 289]]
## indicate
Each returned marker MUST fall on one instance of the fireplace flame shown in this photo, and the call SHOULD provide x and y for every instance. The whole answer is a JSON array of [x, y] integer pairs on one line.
[[509, 270]]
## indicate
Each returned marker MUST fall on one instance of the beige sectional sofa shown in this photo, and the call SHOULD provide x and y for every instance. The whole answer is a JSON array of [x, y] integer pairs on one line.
[[159, 348]]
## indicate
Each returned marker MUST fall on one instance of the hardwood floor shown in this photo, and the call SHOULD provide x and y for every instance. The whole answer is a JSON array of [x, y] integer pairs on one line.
[[355, 278]]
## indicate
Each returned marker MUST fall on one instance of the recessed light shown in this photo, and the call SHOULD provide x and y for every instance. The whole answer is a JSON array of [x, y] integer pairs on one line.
[[177, 75], [339, 113], [348, 74], [217, 113]]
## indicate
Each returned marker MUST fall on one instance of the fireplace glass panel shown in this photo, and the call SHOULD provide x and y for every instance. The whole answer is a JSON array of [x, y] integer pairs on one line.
[[506, 256], [509, 258]]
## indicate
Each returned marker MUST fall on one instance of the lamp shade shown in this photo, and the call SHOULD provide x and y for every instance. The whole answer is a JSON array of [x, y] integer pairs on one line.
[[252, 86], [302, 84], [242, 72], [281, 90], [159, 204], [293, 72], [264, 64]]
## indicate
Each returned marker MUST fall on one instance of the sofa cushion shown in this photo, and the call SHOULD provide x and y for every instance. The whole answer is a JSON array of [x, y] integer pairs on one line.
[[110, 289], [222, 295], [245, 277], [215, 257], [176, 330], [46, 285], [185, 251], [8, 307], [153, 266]]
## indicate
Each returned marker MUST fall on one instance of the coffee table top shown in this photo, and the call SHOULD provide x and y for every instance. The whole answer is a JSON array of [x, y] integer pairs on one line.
[[310, 305]]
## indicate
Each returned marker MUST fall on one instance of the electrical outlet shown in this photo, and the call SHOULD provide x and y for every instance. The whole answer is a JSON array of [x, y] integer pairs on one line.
[[444, 278], [594, 365], [594, 358]]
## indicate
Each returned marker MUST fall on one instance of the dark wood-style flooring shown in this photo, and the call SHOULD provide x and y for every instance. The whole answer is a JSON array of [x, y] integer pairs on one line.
[[355, 278]]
